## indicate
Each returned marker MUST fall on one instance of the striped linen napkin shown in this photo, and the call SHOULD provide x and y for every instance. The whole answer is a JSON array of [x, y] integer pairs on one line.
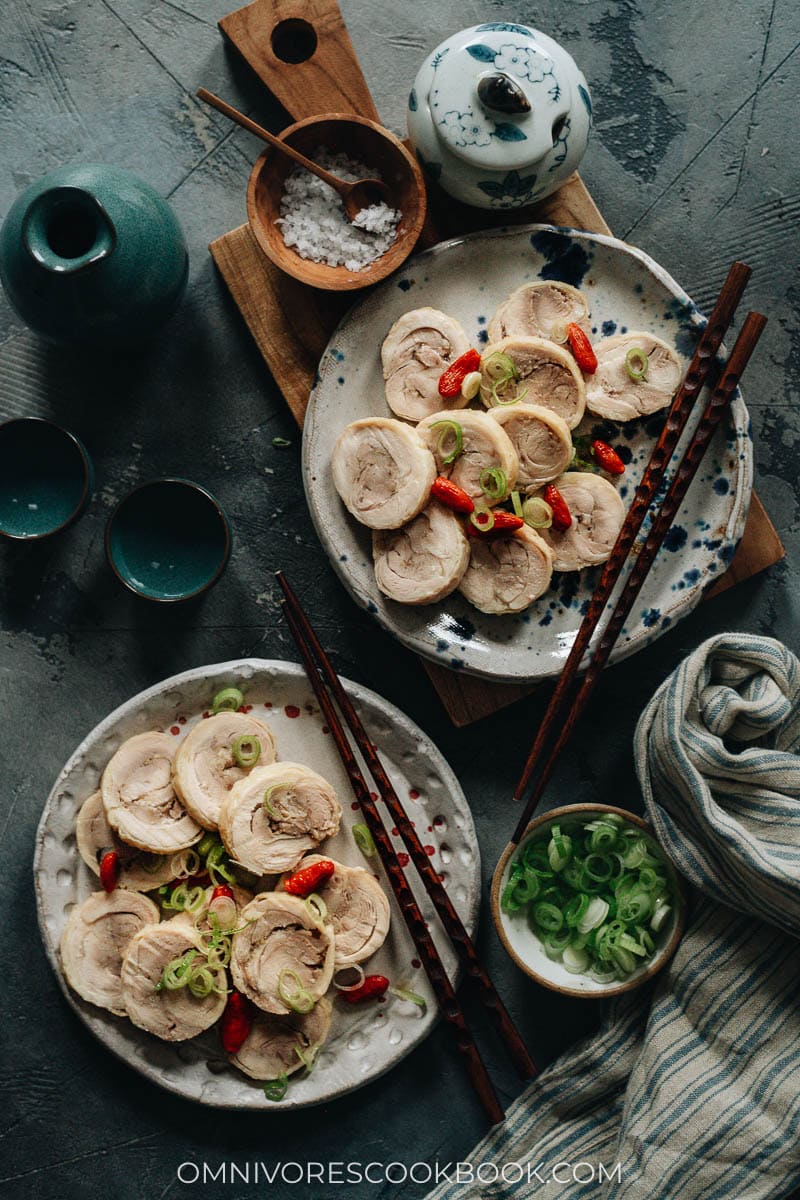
[[691, 1088]]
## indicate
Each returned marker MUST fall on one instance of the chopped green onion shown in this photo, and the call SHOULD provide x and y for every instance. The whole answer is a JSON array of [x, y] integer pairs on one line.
[[636, 363], [201, 983], [307, 1057], [411, 997], [281, 442], [594, 915], [517, 398], [316, 908], [177, 972], [575, 960], [558, 332], [449, 428], [537, 513], [471, 385], [276, 1089], [217, 869], [246, 750], [354, 984], [206, 843], [493, 482], [547, 916], [575, 909], [516, 503], [299, 999], [483, 519], [659, 916], [364, 840], [499, 366], [269, 807], [230, 699]]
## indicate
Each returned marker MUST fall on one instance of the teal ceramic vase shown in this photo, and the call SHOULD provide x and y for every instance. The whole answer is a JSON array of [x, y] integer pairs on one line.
[[92, 255]]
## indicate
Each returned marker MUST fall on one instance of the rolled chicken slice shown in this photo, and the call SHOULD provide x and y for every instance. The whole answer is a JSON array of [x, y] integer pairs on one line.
[[485, 446], [205, 768], [541, 439], [612, 393], [139, 870], [540, 310], [270, 819], [140, 802], [597, 515], [173, 1016], [94, 942], [423, 562], [283, 953], [358, 910], [383, 472], [544, 374], [274, 1044], [417, 350], [507, 573]]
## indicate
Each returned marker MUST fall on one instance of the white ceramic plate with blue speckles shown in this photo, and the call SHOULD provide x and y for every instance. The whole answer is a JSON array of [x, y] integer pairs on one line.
[[364, 1041], [468, 278]]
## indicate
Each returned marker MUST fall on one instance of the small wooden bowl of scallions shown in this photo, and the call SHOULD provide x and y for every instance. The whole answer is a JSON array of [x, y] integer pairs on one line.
[[587, 903]]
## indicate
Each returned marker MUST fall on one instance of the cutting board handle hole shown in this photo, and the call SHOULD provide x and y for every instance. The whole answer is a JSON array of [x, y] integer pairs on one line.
[[294, 40]]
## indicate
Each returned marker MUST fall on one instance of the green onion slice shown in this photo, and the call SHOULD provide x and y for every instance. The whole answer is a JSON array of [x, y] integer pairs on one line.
[[281, 442], [246, 750], [207, 842], [230, 699], [411, 997], [494, 483], [483, 519], [450, 429], [349, 985], [293, 993], [516, 504], [316, 908], [269, 807], [176, 973], [537, 513], [276, 1089], [636, 363], [499, 367], [307, 1055], [364, 840], [217, 869]]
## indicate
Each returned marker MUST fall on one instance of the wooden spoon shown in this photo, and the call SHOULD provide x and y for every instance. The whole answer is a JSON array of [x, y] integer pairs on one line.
[[360, 194]]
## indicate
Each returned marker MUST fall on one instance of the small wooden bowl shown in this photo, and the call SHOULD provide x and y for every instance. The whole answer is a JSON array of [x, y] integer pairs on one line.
[[525, 948], [371, 144]]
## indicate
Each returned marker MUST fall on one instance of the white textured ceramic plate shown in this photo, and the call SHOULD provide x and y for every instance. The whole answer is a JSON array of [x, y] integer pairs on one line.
[[364, 1042], [468, 278]]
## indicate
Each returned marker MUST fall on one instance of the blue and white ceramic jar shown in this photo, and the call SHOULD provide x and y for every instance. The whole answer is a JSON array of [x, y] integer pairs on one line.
[[499, 115]]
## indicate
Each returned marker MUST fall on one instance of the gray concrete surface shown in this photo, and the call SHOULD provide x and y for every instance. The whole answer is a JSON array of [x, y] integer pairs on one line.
[[694, 158]]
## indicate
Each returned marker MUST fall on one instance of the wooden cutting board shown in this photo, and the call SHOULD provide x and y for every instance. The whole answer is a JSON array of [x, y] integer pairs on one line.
[[292, 323]]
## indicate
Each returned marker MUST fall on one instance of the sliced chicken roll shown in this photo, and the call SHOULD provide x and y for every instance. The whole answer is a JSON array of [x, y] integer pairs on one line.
[[140, 803], [172, 1015], [139, 870], [206, 767], [507, 573], [94, 942], [383, 472], [358, 910], [540, 310], [484, 447], [536, 371], [597, 515], [283, 958], [612, 392], [423, 562], [274, 1045], [541, 439], [269, 820], [417, 349]]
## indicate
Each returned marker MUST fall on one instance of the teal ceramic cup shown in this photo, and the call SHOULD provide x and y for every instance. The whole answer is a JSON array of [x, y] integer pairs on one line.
[[46, 478], [168, 540]]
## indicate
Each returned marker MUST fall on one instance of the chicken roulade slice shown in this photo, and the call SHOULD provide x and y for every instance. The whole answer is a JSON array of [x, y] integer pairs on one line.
[[597, 515], [423, 562], [283, 958], [140, 802], [139, 871], [383, 472], [485, 446], [541, 439], [612, 393], [274, 1045], [269, 820], [536, 371], [358, 910], [540, 310], [94, 942], [205, 768], [507, 573], [417, 350], [172, 1015]]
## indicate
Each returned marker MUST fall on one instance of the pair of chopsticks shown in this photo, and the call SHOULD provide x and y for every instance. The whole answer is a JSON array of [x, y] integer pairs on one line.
[[569, 699], [328, 688]]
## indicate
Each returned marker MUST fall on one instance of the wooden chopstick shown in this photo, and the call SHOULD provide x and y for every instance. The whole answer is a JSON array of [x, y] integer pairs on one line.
[[717, 404], [428, 954], [685, 398], [444, 906]]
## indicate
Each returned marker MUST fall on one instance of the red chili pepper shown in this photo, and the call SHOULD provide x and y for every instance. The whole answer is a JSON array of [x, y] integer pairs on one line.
[[452, 495], [109, 870], [562, 517], [585, 356], [372, 987], [451, 380], [608, 458], [504, 522], [222, 890], [303, 882], [235, 1023]]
